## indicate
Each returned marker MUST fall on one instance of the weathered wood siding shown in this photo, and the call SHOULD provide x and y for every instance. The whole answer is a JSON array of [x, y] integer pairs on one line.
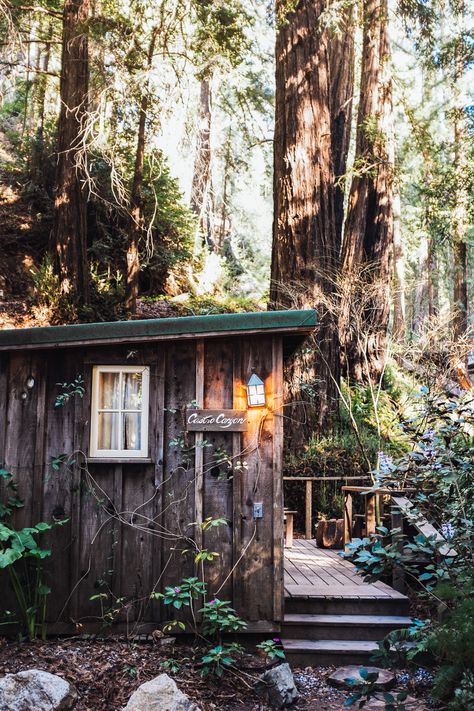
[[128, 523]]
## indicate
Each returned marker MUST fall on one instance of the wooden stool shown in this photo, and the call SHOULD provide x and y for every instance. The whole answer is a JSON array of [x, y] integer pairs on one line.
[[288, 519]]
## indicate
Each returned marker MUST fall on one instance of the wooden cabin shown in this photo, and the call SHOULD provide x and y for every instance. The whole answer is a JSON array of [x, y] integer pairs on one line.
[[137, 432]]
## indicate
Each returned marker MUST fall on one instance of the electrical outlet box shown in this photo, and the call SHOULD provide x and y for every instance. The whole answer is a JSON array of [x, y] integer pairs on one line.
[[258, 510]]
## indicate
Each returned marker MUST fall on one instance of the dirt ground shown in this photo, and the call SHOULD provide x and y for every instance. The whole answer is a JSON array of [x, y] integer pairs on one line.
[[106, 672]]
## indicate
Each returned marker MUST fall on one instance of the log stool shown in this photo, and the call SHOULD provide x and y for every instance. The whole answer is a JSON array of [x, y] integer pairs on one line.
[[288, 519]]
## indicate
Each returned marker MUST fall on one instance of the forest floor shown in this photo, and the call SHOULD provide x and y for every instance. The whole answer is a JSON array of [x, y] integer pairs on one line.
[[106, 672]]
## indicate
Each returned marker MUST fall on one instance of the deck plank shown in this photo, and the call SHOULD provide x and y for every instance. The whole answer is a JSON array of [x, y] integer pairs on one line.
[[322, 573]]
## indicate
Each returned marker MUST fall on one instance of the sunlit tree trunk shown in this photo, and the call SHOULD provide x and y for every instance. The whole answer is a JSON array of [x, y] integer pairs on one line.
[[41, 86], [399, 306], [421, 291], [136, 214], [70, 206], [368, 237], [460, 219], [201, 184], [222, 231], [305, 253]]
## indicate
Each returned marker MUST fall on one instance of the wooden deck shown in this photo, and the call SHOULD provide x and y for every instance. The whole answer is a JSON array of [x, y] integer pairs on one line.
[[320, 573]]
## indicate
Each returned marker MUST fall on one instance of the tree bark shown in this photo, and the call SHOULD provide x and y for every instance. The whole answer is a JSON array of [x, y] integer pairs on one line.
[[421, 292], [399, 305], [460, 220], [70, 224], [41, 86], [368, 238], [136, 213], [341, 60], [305, 250], [201, 185]]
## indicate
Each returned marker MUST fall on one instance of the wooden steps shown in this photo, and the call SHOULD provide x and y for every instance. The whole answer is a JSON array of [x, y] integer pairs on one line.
[[347, 605], [326, 652], [331, 615], [342, 627]]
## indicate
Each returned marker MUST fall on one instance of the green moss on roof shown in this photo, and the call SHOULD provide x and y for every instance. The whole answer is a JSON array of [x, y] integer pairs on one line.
[[156, 329]]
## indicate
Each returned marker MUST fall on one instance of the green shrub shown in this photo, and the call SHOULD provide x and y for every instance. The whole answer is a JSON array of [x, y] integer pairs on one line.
[[22, 554], [452, 644], [438, 468]]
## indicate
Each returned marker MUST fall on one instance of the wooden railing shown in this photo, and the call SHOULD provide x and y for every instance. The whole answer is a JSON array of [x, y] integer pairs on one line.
[[373, 511], [373, 504], [309, 480], [400, 509]]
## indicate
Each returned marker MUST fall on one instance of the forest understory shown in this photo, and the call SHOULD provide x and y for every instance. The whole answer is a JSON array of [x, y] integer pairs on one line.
[[105, 674]]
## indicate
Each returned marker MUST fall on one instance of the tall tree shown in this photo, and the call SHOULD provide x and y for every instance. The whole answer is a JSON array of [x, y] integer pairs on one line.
[[368, 237], [201, 184], [69, 235], [341, 61], [460, 217], [38, 113], [136, 213], [399, 305], [305, 248]]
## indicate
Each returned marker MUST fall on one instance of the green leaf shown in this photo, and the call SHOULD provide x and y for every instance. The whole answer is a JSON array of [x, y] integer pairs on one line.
[[42, 526], [9, 556]]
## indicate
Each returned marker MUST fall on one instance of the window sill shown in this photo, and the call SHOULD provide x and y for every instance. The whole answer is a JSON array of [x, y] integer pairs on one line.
[[119, 460]]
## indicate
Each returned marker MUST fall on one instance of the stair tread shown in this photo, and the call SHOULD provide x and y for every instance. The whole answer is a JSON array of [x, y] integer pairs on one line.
[[343, 620], [342, 592], [329, 645]]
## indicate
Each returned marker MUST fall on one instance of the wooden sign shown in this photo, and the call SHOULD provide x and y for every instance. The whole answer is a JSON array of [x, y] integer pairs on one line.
[[216, 420]]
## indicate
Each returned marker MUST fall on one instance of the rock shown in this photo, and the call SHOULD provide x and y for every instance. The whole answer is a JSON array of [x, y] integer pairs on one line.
[[36, 689], [386, 679], [330, 534], [167, 641], [160, 694], [278, 686]]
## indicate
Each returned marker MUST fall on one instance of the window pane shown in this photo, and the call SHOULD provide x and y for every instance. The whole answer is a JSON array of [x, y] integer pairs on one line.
[[108, 430], [109, 394], [132, 391], [132, 430]]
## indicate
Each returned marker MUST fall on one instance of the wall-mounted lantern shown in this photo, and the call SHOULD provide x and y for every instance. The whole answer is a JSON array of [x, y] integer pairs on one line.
[[255, 391]]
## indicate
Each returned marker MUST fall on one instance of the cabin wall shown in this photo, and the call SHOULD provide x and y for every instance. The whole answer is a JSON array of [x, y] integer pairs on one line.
[[128, 523]]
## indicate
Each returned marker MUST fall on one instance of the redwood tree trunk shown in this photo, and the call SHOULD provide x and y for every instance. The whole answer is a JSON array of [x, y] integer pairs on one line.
[[368, 237], [305, 253], [37, 152], [200, 189], [341, 59], [70, 224], [399, 303], [460, 220], [136, 217], [136, 214]]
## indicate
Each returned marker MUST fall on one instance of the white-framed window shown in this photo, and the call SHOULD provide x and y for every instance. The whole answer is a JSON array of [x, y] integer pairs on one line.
[[119, 417]]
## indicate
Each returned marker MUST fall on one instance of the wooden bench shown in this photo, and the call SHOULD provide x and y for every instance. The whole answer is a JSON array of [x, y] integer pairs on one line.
[[288, 517]]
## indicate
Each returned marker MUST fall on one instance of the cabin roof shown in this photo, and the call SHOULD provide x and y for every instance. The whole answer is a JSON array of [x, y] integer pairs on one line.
[[293, 324]]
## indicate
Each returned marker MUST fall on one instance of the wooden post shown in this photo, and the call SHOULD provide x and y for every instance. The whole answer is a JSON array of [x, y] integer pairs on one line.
[[370, 514], [347, 518], [239, 403], [289, 529], [278, 554], [398, 574], [199, 458], [309, 507]]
